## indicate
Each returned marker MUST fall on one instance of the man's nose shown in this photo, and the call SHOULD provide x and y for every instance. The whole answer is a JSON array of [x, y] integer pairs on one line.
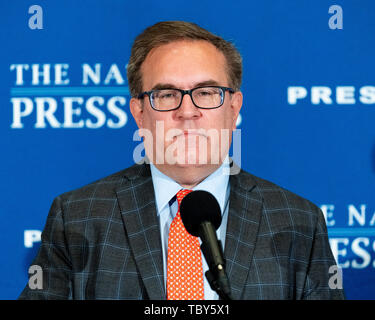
[[188, 110]]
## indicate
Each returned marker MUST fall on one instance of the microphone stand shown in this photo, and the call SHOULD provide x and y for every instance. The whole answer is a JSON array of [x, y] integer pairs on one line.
[[216, 275], [218, 284]]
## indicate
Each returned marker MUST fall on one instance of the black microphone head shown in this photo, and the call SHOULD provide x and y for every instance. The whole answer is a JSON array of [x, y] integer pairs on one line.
[[197, 207]]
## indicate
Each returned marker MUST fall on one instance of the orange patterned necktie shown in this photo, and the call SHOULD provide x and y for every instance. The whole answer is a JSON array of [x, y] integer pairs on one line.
[[184, 266]]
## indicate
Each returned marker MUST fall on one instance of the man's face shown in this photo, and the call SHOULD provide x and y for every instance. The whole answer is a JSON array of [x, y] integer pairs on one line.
[[186, 65]]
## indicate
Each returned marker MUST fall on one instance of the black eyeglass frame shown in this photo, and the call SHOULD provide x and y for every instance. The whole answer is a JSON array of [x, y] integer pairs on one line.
[[188, 92]]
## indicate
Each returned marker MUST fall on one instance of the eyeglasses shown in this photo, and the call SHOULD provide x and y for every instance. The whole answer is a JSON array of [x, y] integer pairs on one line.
[[171, 99]]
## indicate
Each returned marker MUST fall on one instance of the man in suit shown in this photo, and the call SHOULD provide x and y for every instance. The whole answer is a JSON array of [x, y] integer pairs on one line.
[[111, 239]]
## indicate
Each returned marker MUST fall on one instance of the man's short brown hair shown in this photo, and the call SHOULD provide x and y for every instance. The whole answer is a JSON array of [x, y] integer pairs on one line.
[[168, 31]]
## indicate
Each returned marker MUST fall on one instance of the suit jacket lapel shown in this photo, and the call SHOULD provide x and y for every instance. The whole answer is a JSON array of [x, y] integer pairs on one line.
[[245, 208], [138, 210]]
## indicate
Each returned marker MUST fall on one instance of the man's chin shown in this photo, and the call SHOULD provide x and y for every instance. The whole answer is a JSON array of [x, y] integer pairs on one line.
[[185, 165], [188, 175], [195, 162]]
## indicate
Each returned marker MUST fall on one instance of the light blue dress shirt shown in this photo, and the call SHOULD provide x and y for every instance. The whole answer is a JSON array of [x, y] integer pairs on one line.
[[166, 204]]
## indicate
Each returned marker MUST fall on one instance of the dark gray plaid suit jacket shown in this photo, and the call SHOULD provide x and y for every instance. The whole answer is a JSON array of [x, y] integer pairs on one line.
[[103, 242]]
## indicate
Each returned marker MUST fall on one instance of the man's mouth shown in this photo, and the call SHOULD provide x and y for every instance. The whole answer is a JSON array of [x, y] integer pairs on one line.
[[192, 132]]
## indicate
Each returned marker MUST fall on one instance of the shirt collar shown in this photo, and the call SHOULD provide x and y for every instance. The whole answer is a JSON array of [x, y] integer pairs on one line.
[[166, 188]]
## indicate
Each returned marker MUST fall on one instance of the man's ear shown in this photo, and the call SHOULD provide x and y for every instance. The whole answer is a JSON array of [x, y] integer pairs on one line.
[[236, 104], [136, 109]]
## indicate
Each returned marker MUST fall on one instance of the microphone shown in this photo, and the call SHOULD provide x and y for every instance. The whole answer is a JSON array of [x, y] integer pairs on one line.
[[201, 215]]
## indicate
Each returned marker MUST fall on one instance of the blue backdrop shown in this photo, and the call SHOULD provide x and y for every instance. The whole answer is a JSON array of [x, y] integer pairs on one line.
[[307, 120]]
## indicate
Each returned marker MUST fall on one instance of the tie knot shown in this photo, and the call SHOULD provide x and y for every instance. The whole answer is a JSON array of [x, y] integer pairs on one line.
[[181, 194]]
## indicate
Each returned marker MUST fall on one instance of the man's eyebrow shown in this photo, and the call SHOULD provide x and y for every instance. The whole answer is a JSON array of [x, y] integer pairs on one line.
[[160, 86], [207, 83]]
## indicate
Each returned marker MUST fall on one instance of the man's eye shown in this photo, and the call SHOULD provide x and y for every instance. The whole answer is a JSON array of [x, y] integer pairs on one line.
[[206, 93], [166, 95]]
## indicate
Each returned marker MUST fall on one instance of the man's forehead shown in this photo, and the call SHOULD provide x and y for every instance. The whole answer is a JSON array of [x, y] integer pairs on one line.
[[184, 63], [181, 45]]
